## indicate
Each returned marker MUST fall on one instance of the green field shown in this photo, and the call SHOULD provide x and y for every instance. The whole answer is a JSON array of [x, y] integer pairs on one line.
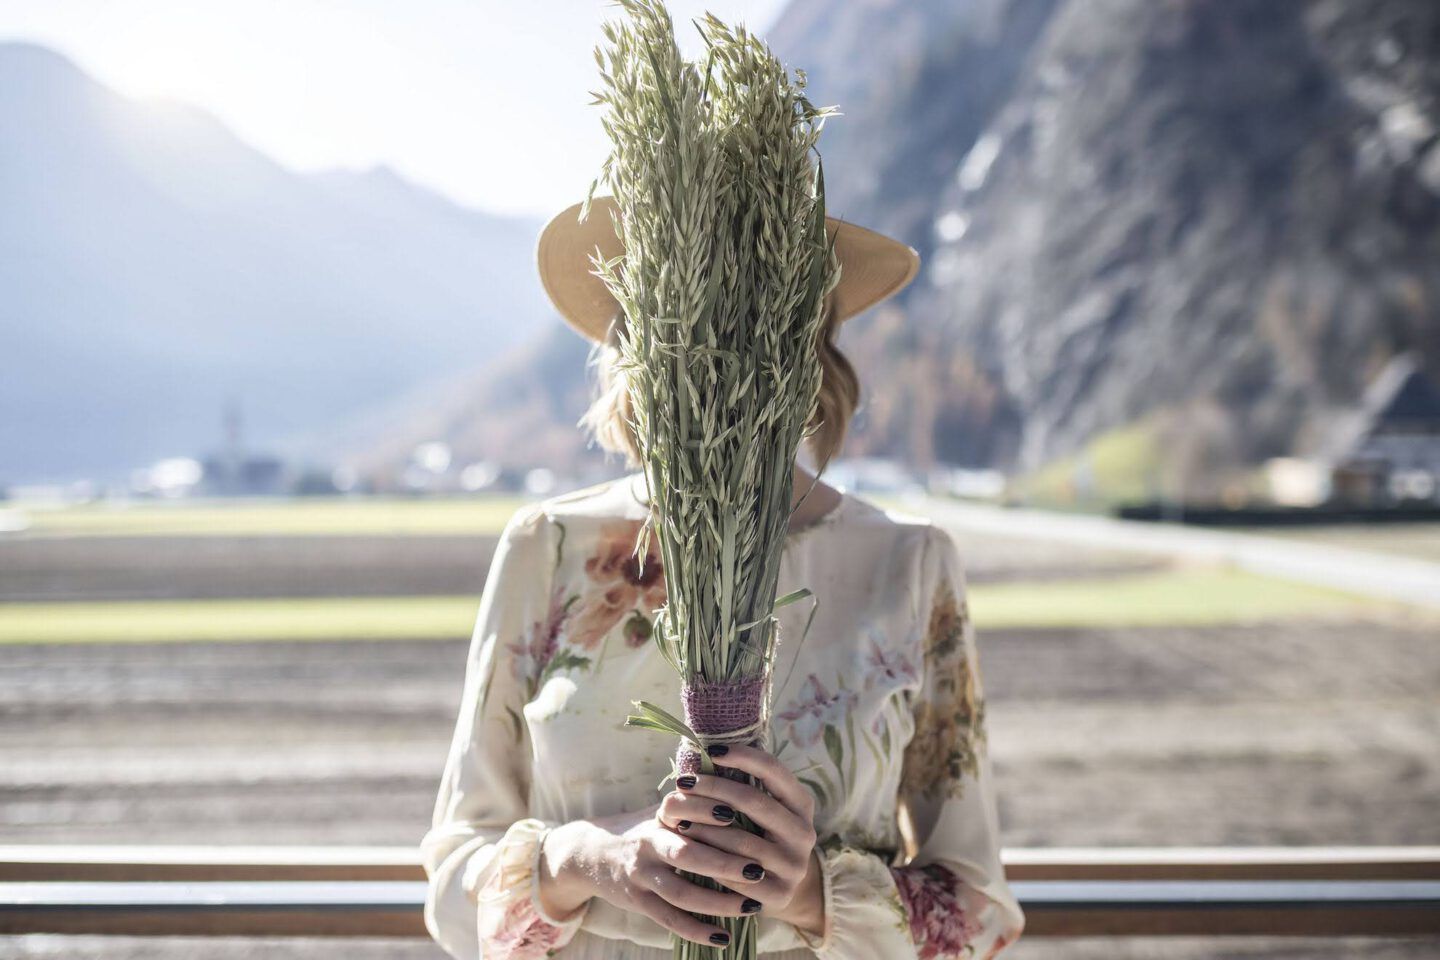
[[1183, 597], [1180, 596], [321, 516]]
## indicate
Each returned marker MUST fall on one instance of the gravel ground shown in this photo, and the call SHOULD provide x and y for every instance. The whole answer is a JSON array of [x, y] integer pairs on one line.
[[1263, 734], [155, 568], [152, 568]]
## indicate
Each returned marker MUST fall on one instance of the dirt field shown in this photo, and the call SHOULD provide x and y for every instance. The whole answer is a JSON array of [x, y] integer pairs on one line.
[[1289, 733], [155, 568], [1279, 734], [159, 567]]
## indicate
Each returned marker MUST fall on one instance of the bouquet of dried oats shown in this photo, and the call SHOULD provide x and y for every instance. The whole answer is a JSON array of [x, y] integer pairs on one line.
[[722, 283]]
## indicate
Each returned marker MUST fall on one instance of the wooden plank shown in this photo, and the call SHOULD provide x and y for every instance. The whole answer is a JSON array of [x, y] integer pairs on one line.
[[1222, 863], [235, 863], [1053, 908], [20, 863], [229, 909]]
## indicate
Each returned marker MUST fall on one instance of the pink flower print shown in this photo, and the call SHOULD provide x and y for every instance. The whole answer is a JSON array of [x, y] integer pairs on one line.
[[600, 610], [939, 925], [523, 934], [614, 559], [618, 581], [1001, 942], [808, 718], [533, 653], [891, 668]]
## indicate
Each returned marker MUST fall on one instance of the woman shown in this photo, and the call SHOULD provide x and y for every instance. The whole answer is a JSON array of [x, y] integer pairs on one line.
[[554, 832]]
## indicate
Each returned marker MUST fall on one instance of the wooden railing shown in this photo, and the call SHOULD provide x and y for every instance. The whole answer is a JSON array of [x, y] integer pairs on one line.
[[345, 891]]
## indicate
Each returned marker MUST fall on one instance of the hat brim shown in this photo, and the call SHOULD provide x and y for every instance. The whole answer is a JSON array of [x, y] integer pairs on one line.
[[873, 266]]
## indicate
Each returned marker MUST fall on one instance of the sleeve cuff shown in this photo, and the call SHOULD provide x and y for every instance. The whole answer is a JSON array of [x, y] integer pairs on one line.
[[863, 913], [827, 898], [926, 912], [511, 921]]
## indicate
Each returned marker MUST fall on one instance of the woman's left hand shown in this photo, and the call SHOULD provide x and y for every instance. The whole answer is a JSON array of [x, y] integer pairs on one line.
[[703, 808]]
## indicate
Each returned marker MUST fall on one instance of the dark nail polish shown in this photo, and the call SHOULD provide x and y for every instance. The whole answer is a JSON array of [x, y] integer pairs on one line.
[[685, 781], [717, 750], [723, 812], [750, 906], [720, 939], [683, 825], [753, 871]]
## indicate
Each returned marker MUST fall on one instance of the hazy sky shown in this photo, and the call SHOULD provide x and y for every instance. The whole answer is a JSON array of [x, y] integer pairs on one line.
[[485, 100]]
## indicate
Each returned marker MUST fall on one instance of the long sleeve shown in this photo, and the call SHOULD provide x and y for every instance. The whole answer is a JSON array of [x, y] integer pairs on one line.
[[482, 848], [950, 899]]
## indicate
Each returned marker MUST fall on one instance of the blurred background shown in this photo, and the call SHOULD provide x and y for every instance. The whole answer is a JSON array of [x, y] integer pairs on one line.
[[277, 367]]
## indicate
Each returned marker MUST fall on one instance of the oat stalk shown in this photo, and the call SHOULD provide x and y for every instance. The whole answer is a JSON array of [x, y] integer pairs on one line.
[[726, 265]]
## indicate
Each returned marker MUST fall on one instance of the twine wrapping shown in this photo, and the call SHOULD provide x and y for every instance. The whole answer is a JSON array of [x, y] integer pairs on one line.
[[727, 711]]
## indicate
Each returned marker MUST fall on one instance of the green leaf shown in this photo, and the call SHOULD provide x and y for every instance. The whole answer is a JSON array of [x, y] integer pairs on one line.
[[647, 716], [794, 596], [785, 601], [563, 660], [874, 750], [830, 788], [833, 746], [822, 799]]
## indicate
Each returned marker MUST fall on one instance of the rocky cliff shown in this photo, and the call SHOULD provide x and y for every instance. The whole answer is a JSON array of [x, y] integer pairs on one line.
[[1217, 219]]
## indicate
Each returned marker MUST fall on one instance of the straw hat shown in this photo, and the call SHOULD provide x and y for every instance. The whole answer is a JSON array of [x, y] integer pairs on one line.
[[873, 266]]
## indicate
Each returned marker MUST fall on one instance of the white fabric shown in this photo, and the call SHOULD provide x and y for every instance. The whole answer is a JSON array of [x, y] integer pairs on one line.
[[540, 734]]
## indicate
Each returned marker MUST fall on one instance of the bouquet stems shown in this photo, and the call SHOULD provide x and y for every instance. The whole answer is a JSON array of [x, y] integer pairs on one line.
[[722, 283]]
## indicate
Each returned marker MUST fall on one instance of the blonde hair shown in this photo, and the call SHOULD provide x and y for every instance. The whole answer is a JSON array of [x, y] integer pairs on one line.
[[609, 414]]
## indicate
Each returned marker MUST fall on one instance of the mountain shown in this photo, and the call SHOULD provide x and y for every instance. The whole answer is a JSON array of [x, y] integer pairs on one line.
[[916, 82], [1178, 235], [517, 412], [1193, 229], [1208, 223], [154, 267]]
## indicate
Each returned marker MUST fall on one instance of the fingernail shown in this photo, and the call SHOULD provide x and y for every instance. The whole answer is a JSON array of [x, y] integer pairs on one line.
[[683, 825], [685, 781], [749, 906], [753, 871], [723, 812], [717, 750], [720, 939]]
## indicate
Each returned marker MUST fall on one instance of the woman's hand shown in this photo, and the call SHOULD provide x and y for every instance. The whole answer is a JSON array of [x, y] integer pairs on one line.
[[631, 861], [780, 867]]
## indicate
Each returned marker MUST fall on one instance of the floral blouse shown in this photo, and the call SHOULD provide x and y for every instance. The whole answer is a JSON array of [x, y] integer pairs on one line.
[[880, 710]]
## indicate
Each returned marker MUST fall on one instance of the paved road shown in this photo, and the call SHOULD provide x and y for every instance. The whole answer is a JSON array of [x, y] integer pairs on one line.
[[1361, 571]]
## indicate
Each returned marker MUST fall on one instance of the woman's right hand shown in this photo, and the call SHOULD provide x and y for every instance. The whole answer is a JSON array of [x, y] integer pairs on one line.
[[631, 861]]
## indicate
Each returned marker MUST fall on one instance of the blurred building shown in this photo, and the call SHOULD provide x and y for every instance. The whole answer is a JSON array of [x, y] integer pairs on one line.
[[233, 471], [874, 475], [1388, 454]]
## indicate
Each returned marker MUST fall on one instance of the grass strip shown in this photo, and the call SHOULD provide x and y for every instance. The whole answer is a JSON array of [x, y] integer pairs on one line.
[[302, 618], [1187, 597], [318, 517]]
